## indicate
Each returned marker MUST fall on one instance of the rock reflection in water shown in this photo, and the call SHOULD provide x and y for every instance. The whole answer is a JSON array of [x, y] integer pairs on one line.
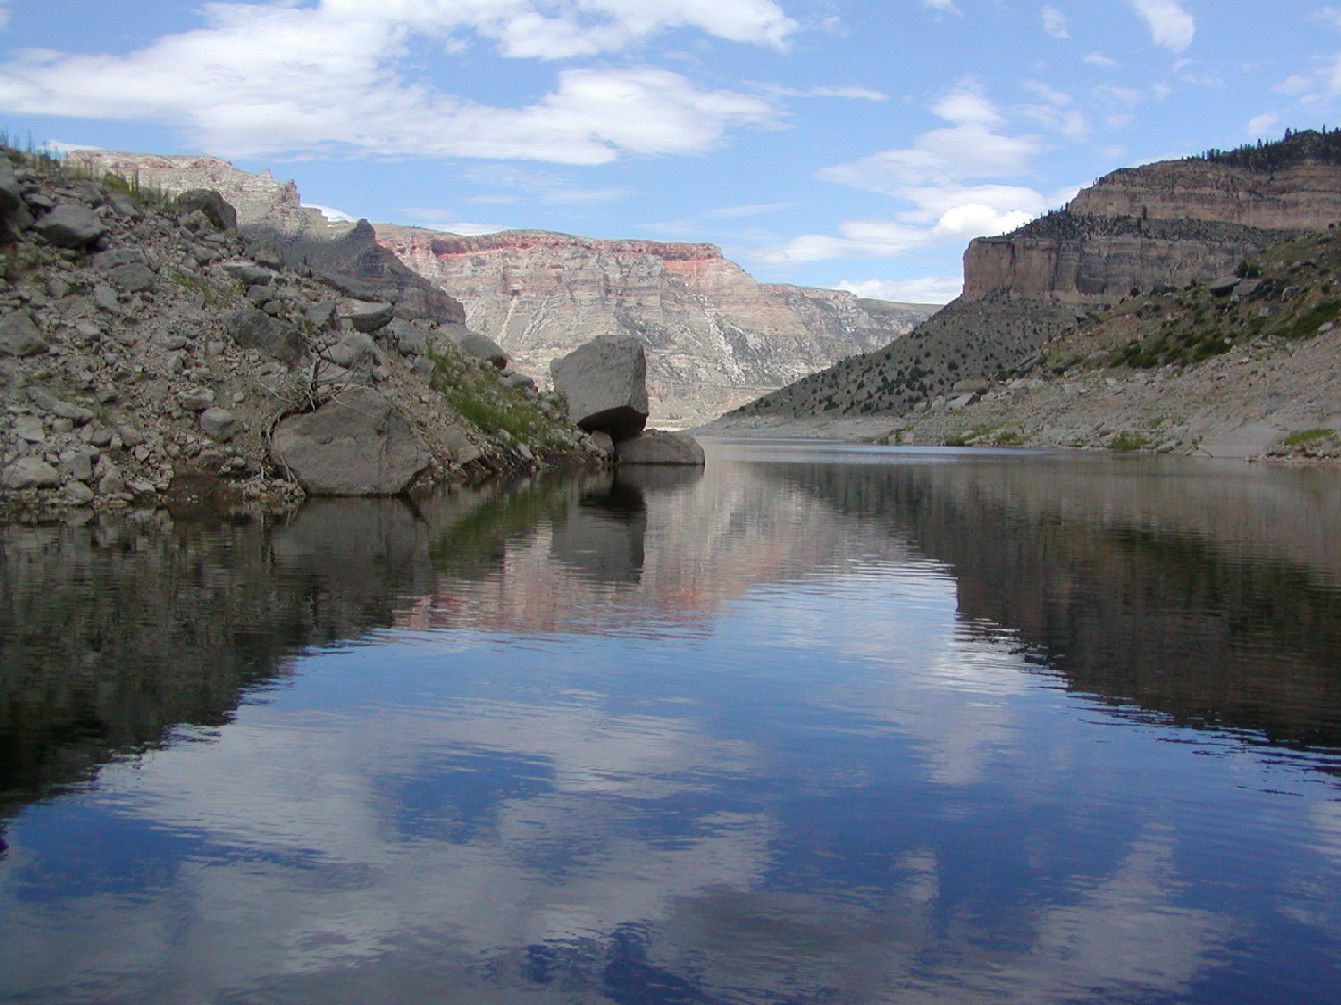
[[883, 727]]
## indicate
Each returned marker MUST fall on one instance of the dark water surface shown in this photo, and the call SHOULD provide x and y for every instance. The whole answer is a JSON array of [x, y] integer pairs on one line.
[[824, 724]]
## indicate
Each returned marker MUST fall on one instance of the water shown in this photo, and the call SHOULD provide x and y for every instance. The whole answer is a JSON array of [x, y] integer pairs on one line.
[[825, 724]]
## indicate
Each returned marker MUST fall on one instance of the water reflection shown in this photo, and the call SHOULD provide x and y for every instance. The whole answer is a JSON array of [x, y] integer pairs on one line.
[[900, 727]]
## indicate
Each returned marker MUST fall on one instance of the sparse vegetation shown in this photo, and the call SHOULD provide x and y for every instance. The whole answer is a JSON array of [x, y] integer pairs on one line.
[[475, 392]]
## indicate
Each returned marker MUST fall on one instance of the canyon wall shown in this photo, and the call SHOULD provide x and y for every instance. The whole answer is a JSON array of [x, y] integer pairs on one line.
[[1164, 224], [715, 338]]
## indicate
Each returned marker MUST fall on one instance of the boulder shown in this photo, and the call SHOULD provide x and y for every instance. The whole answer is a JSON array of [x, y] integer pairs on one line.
[[253, 329], [477, 345], [355, 445], [218, 210], [218, 423], [71, 226], [30, 473], [132, 277], [605, 382], [369, 317], [1223, 286], [19, 336], [658, 446], [354, 351]]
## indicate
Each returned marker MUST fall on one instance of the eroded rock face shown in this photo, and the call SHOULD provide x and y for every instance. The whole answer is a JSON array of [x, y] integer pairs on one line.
[[605, 382], [1163, 224], [357, 444]]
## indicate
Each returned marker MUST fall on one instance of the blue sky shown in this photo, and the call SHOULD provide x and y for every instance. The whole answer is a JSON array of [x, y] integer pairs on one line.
[[849, 143]]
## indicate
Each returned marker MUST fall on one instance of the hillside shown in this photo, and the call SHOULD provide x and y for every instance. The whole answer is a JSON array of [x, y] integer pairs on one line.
[[1242, 366], [1119, 238], [714, 337], [150, 353]]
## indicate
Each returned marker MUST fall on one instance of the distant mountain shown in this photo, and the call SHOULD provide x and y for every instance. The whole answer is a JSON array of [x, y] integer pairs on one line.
[[715, 338], [1160, 226]]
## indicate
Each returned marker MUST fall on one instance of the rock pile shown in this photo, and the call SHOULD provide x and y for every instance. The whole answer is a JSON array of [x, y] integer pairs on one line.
[[149, 350]]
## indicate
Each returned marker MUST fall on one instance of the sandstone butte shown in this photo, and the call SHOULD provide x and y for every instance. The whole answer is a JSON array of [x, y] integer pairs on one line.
[[714, 336]]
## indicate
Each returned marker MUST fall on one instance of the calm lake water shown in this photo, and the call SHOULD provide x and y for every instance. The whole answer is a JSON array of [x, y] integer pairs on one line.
[[823, 724]]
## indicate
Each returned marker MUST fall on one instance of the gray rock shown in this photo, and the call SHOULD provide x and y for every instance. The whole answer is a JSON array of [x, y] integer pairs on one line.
[[79, 493], [514, 378], [105, 261], [354, 351], [369, 317], [605, 382], [195, 399], [48, 402], [104, 298], [30, 473], [79, 464], [19, 336], [30, 428], [355, 445], [1223, 286], [71, 226], [218, 210], [11, 192], [124, 205], [133, 278], [658, 446], [253, 329], [475, 344], [409, 340], [423, 368], [322, 314], [249, 273], [602, 442], [218, 423]]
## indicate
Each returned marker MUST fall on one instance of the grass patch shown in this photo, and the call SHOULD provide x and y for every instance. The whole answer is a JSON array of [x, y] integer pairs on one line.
[[479, 397], [1127, 442], [1310, 438]]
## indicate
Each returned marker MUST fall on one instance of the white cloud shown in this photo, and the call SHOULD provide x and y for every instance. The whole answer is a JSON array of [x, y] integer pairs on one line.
[[4, 13], [925, 290], [1320, 85], [1170, 26], [1263, 125], [936, 157], [331, 213], [967, 103], [948, 6], [1331, 15], [1054, 23], [278, 79], [1099, 59]]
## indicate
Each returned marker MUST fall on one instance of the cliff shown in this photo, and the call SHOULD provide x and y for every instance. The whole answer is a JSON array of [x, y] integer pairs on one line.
[[714, 336], [1165, 224]]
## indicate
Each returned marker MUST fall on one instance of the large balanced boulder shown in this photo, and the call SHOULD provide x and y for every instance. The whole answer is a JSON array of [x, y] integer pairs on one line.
[[605, 382], [358, 444], [659, 446]]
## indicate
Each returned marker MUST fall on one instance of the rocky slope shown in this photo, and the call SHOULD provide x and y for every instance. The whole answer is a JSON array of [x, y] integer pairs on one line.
[[714, 337], [148, 351], [1118, 237], [1243, 366]]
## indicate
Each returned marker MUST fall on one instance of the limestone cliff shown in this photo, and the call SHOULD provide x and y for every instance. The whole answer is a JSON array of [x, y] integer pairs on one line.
[[714, 336]]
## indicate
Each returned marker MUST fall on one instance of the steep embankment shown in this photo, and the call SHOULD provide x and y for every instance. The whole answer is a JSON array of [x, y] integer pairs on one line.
[[149, 351], [1161, 226], [714, 336]]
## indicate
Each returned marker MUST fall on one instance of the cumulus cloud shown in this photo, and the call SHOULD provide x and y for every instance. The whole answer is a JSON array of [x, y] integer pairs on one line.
[[1170, 26], [271, 79], [1319, 85], [1054, 23]]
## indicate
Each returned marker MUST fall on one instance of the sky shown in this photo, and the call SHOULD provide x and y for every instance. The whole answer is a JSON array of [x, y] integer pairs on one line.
[[856, 144]]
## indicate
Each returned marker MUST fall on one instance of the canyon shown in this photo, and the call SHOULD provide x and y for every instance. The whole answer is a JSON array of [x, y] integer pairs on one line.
[[715, 338]]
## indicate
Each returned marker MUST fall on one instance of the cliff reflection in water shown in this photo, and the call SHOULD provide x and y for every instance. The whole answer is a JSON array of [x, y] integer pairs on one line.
[[1207, 595]]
